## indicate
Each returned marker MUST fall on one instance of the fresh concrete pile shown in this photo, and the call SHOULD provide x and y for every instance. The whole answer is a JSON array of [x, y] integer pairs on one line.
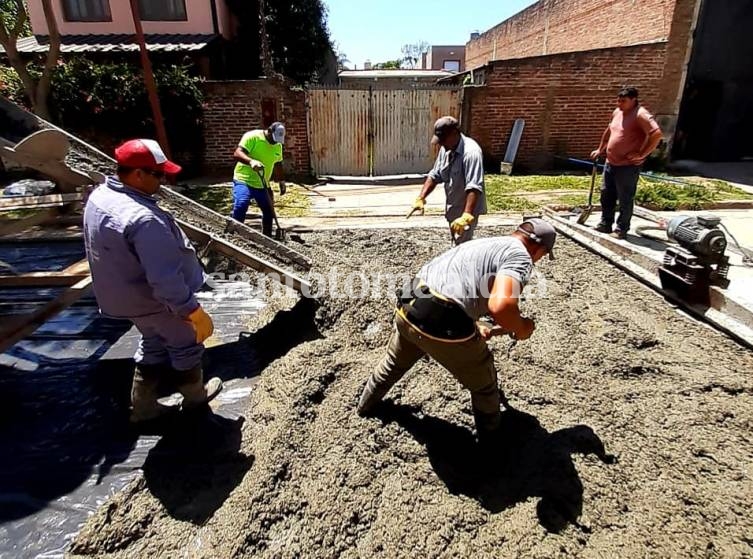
[[611, 363]]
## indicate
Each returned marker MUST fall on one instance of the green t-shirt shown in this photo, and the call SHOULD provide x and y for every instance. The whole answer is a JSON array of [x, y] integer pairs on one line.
[[260, 149]]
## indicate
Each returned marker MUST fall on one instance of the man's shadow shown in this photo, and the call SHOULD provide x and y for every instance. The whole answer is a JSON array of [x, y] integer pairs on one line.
[[196, 464], [523, 461]]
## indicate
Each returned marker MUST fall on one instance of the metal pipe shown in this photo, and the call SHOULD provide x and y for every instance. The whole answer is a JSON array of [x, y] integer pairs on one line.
[[646, 175]]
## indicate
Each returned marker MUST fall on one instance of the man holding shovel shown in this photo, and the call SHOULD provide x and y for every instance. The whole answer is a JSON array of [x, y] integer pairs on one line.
[[257, 153], [437, 315], [628, 140], [460, 166]]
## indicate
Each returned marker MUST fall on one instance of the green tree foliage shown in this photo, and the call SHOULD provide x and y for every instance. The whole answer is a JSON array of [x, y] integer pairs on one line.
[[298, 38], [108, 102], [389, 65], [9, 15]]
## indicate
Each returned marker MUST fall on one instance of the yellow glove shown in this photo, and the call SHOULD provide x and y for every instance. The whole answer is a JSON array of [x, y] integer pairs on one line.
[[201, 323], [418, 206], [462, 223]]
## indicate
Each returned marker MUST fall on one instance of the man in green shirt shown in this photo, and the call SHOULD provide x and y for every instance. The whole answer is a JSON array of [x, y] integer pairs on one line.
[[257, 152]]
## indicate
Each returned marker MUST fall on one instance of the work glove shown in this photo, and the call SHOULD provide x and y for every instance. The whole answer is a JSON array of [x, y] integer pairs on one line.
[[418, 206], [201, 323], [257, 165], [462, 223], [283, 188]]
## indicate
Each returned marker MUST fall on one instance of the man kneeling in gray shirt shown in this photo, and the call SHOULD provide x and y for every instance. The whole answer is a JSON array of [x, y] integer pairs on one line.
[[437, 314]]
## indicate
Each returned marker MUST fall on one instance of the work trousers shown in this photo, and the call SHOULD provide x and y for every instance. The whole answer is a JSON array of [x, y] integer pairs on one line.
[[619, 185], [167, 338], [242, 196], [470, 362]]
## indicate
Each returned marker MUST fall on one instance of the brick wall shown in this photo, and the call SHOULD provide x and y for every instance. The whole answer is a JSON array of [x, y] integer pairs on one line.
[[234, 107], [558, 26], [565, 99]]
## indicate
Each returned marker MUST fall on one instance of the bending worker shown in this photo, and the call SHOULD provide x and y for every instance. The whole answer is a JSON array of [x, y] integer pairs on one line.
[[437, 313], [257, 153], [144, 269], [460, 166]]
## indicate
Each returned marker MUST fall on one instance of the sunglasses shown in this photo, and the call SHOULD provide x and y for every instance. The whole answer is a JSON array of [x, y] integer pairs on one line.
[[156, 174]]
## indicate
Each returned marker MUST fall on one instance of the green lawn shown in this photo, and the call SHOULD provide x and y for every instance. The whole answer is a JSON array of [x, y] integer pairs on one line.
[[503, 191], [295, 203]]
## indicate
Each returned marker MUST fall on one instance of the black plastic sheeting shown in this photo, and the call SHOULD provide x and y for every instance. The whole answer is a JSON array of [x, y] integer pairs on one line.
[[65, 442]]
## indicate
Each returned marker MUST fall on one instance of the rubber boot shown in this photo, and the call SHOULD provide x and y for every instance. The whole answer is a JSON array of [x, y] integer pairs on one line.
[[370, 397], [144, 393], [194, 392]]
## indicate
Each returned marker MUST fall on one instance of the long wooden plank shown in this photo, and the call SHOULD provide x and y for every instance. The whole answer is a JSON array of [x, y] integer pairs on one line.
[[63, 278], [243, 257], [21, 225], [26, 326], [32, 202]]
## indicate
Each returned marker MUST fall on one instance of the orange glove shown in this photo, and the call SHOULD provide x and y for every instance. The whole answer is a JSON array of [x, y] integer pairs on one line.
[[201, 323], [462, 223]]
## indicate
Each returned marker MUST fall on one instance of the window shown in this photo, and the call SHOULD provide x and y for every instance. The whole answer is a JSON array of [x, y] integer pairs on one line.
[[163, 10], [451, 65], [87, 10]]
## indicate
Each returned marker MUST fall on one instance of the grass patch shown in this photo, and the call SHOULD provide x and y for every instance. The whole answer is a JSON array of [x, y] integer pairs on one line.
[[701, 194], [654, 194], [535, 183], [295, 203]]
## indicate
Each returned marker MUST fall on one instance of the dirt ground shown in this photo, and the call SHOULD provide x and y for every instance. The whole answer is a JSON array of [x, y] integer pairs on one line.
[[611, 366]]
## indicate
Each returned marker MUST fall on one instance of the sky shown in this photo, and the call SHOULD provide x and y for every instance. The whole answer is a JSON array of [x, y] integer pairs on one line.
[[377, 29]]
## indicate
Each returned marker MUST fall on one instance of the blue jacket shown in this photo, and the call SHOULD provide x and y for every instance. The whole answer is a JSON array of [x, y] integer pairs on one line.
[[140, 260]]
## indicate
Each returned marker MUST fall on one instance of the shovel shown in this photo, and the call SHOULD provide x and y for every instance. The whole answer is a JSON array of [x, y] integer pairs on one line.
[[586, 213], [279, 231]]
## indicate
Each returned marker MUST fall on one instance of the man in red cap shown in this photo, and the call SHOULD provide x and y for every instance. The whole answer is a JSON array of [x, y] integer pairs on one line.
[[144, 269]]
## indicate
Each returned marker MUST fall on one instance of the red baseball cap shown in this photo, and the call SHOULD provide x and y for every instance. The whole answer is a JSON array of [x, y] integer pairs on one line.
[[145, 154]]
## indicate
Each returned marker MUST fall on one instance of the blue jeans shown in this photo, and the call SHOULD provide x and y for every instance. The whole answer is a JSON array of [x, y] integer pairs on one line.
[[242, 195], [619, 184]]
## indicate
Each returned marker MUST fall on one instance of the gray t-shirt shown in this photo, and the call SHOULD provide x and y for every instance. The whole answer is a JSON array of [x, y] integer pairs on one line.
[[463, 273], [460, 170]]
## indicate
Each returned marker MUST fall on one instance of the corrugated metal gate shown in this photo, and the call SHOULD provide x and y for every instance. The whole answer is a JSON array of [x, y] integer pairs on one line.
[[375, 131]]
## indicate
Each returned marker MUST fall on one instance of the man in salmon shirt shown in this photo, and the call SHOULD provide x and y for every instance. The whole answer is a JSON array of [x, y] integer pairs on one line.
[[628, 140]]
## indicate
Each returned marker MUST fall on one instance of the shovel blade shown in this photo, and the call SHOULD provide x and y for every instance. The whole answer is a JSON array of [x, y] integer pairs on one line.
[[584, 215]]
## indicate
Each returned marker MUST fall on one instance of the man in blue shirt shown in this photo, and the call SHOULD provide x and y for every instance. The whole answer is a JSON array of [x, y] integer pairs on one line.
[[144, 269]]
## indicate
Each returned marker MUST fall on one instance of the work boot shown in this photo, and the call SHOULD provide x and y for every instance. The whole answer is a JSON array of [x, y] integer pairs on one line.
[[195, 393], [603, 228], [619, 235], [144, 394], [370, 397]]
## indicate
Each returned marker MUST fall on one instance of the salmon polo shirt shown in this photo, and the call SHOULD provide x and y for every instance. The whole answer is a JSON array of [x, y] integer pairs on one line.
[[627, 132]]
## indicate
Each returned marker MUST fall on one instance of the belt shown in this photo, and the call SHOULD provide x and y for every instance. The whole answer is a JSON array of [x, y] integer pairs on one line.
[[434, 315]]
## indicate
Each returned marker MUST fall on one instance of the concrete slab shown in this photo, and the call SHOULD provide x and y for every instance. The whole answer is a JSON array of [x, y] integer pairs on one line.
[[355, 199]]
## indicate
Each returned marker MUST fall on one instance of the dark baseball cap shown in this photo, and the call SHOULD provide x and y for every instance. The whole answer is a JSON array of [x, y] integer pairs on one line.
[[442, 127], [542, 233]]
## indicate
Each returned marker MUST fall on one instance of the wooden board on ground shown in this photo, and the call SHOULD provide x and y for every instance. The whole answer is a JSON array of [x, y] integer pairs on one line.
[[63, 278], [28, 324], [14, 203]]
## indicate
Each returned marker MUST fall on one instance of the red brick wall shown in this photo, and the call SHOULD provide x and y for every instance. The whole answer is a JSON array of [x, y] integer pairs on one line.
[[557, 26], [234, 107], [565, 99]]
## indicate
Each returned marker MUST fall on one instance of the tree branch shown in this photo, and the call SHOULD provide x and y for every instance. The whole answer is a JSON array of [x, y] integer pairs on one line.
[[43, 87]]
